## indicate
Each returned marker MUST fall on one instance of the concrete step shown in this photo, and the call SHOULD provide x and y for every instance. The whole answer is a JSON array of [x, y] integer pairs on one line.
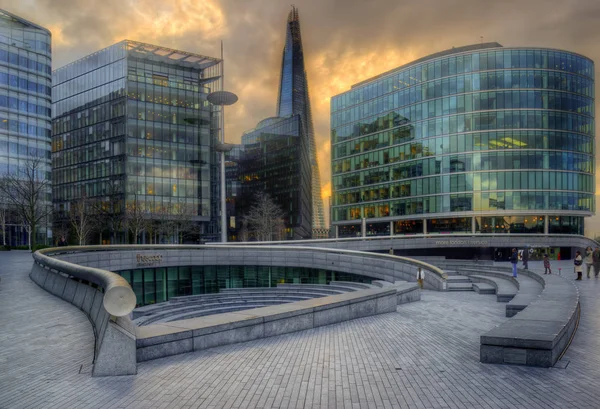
[[460, 286], [483, 288], [458, 279]]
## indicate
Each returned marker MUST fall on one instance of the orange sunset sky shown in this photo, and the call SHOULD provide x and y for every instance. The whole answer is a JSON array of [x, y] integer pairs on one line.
[[345, 41]]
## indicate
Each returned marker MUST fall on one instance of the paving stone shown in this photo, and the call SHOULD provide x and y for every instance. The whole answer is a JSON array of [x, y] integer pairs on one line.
[[424, 355]]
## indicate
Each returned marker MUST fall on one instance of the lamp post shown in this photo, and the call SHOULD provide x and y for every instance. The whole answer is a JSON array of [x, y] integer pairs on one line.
[[223, 98]]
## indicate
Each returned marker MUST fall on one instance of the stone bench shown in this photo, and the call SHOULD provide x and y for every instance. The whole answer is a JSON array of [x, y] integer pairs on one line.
[[225, 298], [505, 288], [167, 310], [529, 284], [160, 340], [351, 284], [537, 335]]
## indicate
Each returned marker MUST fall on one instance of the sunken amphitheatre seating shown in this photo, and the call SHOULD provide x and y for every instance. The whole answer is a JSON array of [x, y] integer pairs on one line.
[[237, 299], [544, 311]]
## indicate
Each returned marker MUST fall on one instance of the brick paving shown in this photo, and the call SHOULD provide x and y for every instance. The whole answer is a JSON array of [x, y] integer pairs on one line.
[[426, 355]]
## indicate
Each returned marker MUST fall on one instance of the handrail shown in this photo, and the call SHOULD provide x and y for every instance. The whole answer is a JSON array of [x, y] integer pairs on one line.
[[79, 249], [119, 299]]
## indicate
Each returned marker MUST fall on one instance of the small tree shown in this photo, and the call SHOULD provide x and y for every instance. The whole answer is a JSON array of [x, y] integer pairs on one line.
[[265, 218], [109, 210], [28, 192], [4, 214], [81, 219], [135, 219]]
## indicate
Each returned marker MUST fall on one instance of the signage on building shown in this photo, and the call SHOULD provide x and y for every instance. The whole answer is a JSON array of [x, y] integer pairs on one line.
[[148, 260], [462, 242]]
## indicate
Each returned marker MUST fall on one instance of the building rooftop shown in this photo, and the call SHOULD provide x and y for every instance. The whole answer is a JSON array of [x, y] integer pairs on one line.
[[159, 54], [16, 19], [453, 50]]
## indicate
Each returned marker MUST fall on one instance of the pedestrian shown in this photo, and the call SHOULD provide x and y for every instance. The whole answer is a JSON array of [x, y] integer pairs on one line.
[[525, 257], [578, 262], [514, 259], [596, 260], [547, 269], [62, 242], [391, 251], [420, 277], [588, 260]]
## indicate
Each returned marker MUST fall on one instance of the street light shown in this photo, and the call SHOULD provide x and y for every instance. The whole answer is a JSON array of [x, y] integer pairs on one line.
[[223, 98]]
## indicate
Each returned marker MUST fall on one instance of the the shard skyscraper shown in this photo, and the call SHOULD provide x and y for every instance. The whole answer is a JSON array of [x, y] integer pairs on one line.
[[294, 99]]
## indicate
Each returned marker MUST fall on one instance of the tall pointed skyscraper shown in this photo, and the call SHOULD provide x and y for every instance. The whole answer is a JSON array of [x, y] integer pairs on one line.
[[294, 99]]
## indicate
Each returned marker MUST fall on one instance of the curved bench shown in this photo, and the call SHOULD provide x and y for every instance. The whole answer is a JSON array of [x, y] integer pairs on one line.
[[505, 288], [168, 311], [160, 340], [539, 334], [528, 283]]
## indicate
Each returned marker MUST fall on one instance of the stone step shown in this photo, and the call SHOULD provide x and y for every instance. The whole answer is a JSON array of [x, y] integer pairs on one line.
[[483, 288], [458, 279], [460, 286]]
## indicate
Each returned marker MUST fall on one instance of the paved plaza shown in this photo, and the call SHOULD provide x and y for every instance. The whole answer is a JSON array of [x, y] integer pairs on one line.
[[426, 355]]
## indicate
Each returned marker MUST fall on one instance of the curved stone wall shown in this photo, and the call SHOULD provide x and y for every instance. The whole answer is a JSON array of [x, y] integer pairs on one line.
[[378, 266]]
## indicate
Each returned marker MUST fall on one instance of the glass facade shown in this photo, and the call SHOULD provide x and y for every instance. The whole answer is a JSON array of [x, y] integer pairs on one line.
[[132, 125], [159, 284], [275, 160], [25, 107], [294, 99], [474, 131]]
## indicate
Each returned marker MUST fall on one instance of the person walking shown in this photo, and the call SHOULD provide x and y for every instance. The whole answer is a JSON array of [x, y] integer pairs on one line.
[[420, 277], [596, 261], [525, 257], [514, 259], [547, 269], [588, 260], [578, 262]]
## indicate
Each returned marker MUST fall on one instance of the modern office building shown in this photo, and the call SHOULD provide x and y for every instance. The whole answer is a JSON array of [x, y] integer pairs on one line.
[[233, 188], [280, 153], [476, 139], [276, 160], [294, 99], [25, 108], [132, 128]]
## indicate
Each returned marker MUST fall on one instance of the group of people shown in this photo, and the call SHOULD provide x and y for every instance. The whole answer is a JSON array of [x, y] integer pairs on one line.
[[591, 259]]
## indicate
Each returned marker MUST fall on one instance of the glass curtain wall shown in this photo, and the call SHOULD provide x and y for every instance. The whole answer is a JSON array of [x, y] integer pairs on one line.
[[474, 129], [25, 111]]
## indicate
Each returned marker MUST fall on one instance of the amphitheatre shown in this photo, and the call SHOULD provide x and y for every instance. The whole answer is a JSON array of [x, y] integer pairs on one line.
[[312, 324]]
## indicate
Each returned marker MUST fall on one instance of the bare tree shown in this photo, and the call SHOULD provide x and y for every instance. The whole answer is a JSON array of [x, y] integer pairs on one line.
[[163, 220], [82, 219], [108, 209], [28, 193], [183, 220], [265, 218], [135, 219], [4, 215]]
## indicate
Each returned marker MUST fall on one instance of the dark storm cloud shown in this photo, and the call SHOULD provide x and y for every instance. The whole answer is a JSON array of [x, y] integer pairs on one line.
[[345, 41]]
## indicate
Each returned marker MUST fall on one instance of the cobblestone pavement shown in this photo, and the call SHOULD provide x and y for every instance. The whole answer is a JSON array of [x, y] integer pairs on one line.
[[426, 355]]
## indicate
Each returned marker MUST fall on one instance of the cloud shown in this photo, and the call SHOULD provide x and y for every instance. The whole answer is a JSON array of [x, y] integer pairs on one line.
[[345, 41]]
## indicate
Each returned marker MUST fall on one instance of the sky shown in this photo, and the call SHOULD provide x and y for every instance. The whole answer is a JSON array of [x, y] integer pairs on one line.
[[345, 41]]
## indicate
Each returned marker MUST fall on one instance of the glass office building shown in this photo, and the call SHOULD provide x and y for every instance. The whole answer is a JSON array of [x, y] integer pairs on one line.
[[294, 99], [276, 160], [476, 139], [132, 127], [25, 107]]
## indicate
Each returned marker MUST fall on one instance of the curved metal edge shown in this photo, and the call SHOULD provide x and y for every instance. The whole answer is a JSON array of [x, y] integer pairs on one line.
[[119, 299], [437, 272]]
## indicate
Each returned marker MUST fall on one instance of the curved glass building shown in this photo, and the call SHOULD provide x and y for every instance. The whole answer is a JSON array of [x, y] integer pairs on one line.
[[25, 110], [476, 139]]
